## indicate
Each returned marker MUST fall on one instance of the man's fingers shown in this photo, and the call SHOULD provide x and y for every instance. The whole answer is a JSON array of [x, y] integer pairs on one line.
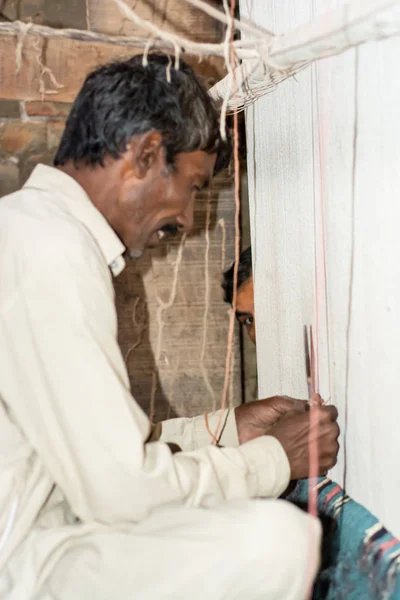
[[284, 404], [300, 406], [331, 410]]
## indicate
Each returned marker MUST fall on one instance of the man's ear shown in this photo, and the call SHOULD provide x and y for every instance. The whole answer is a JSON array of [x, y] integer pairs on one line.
[[143, 152]]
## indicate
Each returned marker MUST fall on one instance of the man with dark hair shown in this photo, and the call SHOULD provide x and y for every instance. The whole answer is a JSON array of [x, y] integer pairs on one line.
[[95, 503]]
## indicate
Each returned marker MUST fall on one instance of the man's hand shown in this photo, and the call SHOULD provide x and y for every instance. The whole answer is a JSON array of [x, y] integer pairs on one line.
[[256, 418], [293, 432]]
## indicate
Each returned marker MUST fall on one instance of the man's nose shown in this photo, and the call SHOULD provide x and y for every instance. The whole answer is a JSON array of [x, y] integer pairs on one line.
[[186, 219]]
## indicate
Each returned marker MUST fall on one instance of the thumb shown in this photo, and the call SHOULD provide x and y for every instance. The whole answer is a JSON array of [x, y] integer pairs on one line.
[[316, 400]]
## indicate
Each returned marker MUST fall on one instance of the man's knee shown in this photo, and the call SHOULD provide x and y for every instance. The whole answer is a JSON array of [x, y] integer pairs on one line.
[[280, 546]]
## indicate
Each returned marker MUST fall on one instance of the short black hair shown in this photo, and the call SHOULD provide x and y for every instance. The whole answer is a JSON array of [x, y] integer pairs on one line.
[[130, 97], [245, 271]]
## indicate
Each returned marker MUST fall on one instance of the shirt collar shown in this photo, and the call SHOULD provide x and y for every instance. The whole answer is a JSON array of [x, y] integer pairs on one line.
[[80, 206]]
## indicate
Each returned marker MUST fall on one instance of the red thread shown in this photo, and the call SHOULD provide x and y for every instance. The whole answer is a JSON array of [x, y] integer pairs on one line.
[[214, 438]]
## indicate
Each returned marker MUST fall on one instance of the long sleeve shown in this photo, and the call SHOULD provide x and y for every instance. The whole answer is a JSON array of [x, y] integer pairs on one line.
[[67, 385], [192, 433]]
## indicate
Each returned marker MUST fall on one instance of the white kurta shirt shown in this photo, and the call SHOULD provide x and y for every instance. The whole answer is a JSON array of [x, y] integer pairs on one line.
[[72, 437]]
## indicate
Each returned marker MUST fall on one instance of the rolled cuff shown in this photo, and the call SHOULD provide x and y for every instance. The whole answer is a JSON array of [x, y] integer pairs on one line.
[[227, 424], [192, 434], [268, 467]]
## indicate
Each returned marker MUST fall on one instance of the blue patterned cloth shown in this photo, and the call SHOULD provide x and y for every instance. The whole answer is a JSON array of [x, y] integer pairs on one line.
[[360, 558]]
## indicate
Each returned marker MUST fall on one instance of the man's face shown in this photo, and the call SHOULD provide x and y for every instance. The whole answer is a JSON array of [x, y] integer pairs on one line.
[[156, 201], [245, 308]]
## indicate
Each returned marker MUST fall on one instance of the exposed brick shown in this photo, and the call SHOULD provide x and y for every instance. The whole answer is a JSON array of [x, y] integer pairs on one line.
[[47, 109], [24, 10], [9, 109], [9, 177], [69, 61], [17, 138], [54, 132], [56, 13], [25, 144]]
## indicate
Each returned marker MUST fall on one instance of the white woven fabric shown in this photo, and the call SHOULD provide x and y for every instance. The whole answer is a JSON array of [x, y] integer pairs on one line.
[[282, 56]]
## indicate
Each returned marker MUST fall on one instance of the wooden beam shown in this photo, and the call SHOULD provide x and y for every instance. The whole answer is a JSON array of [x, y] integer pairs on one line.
[[53, 64]]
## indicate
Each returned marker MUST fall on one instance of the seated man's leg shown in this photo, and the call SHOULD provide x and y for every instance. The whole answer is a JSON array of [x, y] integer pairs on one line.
[[244, 550]]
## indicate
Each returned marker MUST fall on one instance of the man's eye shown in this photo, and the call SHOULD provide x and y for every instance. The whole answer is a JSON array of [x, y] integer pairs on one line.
[[249, 321]]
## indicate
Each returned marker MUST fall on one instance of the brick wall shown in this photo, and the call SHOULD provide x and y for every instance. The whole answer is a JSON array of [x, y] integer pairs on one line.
[[29, 133]]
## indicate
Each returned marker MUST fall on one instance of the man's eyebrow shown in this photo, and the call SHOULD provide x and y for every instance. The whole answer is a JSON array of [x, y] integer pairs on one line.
[[242, 314]]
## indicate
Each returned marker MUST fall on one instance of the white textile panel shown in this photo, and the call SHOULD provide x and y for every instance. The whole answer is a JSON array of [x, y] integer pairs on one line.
[[324, 172]]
